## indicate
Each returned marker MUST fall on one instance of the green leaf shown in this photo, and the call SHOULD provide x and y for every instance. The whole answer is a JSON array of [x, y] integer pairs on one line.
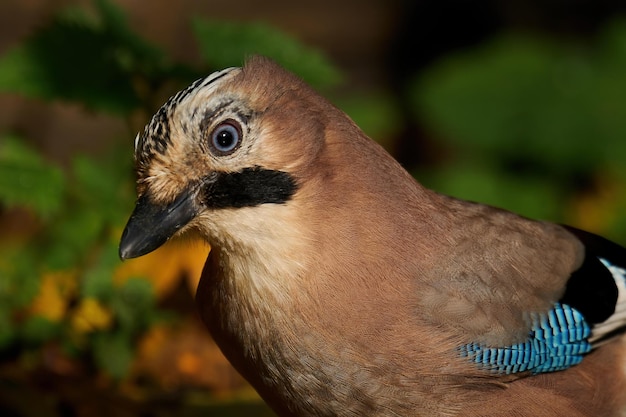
[[113, 352], [105, 185], [531, 196], [72, 237], [76, 58], [134, 54], [134, 304], [38, 330], [19, 277], [551, 102], [613, 43], [228, 44], [101, 196], [27, 180], [374, 112], [48, 66], [98, 279]]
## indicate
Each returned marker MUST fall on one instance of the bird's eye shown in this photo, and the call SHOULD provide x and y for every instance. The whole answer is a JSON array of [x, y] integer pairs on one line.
[[226, 138]]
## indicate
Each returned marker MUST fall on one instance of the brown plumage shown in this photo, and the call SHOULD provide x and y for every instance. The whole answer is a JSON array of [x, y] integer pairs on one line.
[[339, 286]]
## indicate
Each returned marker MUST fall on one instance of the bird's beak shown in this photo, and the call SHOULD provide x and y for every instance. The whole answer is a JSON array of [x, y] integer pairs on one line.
[[151, 225]]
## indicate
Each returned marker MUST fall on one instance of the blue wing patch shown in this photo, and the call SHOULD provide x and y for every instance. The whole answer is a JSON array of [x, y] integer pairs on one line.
[[557, 340]]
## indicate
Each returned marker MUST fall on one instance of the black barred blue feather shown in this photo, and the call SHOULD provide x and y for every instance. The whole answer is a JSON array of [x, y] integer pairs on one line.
[[591, 311], [557, 340]]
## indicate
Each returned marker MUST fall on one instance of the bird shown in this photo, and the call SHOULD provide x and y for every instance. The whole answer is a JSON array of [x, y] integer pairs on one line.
[[338, 285]]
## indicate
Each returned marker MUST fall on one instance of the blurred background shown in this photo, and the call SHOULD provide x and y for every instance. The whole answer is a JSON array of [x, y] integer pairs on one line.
[[516, 103]]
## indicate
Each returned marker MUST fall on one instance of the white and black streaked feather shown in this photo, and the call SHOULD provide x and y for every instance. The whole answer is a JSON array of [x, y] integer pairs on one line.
[[155, 137]]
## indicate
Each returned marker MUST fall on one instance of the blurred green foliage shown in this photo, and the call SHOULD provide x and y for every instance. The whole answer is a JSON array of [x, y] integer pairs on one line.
[[26, 179], [532, 120], [520, 121], [87, 58], [226, 44]]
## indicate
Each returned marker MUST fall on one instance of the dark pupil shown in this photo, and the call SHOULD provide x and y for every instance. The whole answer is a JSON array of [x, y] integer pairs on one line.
[[225, 139]]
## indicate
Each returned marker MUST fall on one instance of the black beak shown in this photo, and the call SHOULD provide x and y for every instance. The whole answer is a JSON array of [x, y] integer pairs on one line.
[[151, 225]]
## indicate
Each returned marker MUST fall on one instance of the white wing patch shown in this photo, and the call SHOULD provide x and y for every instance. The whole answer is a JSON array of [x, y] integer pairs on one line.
[[618, 319]]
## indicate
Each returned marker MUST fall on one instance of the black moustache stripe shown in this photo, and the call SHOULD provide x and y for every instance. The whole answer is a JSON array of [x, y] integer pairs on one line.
[[247, 188]]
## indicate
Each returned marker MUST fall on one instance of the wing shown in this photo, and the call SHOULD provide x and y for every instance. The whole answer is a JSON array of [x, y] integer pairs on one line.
[[589, 289], [591, 311]]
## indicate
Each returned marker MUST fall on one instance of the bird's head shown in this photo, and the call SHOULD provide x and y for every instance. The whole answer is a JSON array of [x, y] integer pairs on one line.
[[237, 139]]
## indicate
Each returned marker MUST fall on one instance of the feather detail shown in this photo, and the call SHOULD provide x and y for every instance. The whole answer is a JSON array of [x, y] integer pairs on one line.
[[591, 312], [558, 340], [602, 332]]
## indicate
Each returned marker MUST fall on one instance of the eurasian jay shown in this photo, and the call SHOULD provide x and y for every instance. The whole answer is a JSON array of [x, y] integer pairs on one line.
[[337, 285]]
